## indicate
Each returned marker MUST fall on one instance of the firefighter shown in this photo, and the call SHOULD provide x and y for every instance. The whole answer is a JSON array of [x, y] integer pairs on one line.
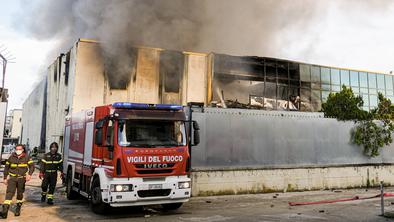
[[50, 164], [17, 171]]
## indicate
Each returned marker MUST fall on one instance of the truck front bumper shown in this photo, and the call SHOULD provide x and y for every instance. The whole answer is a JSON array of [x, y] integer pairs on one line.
[[148, 191]]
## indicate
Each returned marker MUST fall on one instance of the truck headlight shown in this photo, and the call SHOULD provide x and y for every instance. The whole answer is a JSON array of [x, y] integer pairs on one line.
[[121, 187], [184, 185]]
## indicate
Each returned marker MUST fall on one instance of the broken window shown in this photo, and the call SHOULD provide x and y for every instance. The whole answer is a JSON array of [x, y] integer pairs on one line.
[[239, 65], [120, 68], [270, 95], [55, 72], [238, 80], [67, 68], [294, 71], [294, 98], [227, 87], [270, 68], [171, 70], [282, 97], [59, 60], [282, 69]]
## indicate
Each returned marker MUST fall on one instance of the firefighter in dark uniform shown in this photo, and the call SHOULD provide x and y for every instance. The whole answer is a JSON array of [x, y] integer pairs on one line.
[[50, 164], [18, 170]]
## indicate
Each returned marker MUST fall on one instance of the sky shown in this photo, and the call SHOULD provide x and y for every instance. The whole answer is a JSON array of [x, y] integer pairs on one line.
[[341, 33], [30, 54]]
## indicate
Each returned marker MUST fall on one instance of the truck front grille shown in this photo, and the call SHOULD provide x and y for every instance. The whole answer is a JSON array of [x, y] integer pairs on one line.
[[154, 171], [154, 166], [154, 193]]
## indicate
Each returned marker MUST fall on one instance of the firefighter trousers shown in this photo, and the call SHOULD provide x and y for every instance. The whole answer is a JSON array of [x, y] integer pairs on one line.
[[15, 184], [49, 180]]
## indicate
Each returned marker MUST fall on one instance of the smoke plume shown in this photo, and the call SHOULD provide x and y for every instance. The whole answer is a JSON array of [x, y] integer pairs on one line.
[[278, 28]]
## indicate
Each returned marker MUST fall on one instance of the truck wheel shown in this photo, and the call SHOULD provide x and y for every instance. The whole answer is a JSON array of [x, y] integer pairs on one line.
[[71, 194], [171, 206], [97, 204]]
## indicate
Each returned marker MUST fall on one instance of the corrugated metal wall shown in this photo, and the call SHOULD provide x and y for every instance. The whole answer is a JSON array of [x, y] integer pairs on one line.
[[234, 138]]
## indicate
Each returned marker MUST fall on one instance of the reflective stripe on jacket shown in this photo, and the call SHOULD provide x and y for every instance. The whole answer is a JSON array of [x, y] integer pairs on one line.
[[18, 166], [51, 163]]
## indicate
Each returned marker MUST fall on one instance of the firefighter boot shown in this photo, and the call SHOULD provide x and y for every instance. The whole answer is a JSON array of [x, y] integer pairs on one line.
[[18, 209], [50, 201], [43, 198], [5, 209]]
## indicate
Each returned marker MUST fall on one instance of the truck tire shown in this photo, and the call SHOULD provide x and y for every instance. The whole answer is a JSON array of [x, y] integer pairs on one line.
[[171, 206], [97, 204], [71, 194]]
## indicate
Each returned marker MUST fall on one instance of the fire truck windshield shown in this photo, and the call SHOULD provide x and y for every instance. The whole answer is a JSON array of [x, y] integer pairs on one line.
[[151, 133]]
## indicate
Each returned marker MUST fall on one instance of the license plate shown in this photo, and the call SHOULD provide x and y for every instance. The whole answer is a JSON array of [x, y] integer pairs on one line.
[[155, 186]]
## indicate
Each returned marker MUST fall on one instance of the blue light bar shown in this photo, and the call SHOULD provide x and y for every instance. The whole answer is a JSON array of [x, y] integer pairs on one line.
[[168, 106], [126, 105]]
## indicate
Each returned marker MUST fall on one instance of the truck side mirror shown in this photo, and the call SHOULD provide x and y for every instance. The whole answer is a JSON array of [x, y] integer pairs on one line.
[[196, 133], [196, 126], [196, 137], [98, 140], [100, 124]]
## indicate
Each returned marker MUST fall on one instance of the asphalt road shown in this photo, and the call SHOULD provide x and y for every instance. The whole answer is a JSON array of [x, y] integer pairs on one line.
[[256, 207]]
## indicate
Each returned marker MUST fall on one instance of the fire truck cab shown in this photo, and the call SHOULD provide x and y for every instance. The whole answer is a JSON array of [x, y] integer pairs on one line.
[[129, 154]]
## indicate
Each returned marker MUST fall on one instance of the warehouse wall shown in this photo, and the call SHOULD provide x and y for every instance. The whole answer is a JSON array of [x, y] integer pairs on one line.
[[16, 123], [89, 77], [32, 113], [58, 102]]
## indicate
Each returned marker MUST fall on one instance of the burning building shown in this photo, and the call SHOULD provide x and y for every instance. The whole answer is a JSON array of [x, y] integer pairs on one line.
[[84, 77], [263, 133]]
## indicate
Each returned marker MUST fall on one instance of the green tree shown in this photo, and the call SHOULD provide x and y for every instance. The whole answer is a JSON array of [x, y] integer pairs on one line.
[[373, 129], [345, 106]]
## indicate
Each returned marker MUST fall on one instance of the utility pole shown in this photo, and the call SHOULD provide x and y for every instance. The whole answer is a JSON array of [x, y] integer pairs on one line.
[[5, 58]]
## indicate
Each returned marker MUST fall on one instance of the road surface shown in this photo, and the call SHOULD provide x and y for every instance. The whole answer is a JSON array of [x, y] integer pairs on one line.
[[253, 207]]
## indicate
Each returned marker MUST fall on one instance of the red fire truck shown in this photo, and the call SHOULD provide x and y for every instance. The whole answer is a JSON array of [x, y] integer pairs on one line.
[[129, 154]]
